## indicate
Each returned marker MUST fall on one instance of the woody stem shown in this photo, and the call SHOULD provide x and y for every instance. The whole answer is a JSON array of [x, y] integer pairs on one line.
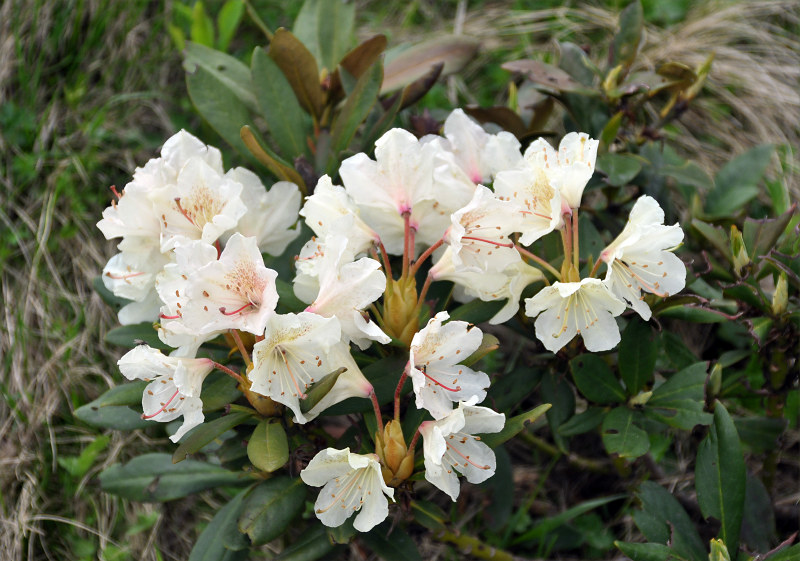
[[376, 406], [398, 391], [229, 372], [242, 349]]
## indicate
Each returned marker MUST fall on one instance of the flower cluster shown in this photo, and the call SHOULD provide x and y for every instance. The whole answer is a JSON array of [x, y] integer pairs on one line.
[[463, 208]]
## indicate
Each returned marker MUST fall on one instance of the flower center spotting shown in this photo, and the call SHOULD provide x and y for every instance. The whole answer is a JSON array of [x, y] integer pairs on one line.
[[454, 456], [579, 306], [243, 279], [349, 491], [200, 206]]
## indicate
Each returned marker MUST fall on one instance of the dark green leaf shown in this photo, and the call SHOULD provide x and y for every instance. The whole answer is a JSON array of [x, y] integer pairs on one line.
[[398, 546], [737, 182], [679, 413], [313, 545], [429, 515], [720, 477], [288, 124], [131, 335], [786, 554], [557, 391], [111, 410], [224, 111], [229, 74], [384, 375], [583, 422], [476, 311], [760, 236], [227, 21], [760, 434], [206, 432], [595, 380], [621, 436], [695, 314], [758, 520], [548, 525], [219, 390], [637, 355], [620, 168], [320, 389], [609, 134], [669, 521], [356, 108], [154, 478], [715, 235], [689, 173], [271, 507], [300, 68], [326, 28], [268, 448], [689, 383], [221, 540], [626, 41], [575, 62], [644, 551], [514, 425]]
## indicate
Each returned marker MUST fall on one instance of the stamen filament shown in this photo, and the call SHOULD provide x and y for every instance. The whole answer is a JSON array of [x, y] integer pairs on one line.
[[222, 310], [494, 243], [176, 316], [437, 382], [300, 393], [183, 212], [466, 458], [124, 277], [163, 407]]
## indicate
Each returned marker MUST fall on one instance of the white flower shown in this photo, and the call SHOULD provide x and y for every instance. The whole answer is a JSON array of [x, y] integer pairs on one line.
[[449, 444], [352, 482], [174, 388], [270, 215], [479, 234], [434, 357], [346, 287], [640, 258], [330, 210], [201, 205], [537, 198], [350, 383], [585, 308], [237, 291], [571, 167], [132, 274], [295, 353]]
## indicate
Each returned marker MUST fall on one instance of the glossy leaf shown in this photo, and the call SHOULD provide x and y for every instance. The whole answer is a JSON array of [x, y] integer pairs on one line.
[[221, 540], [638, 351], [311, 546], [219, 390], [720, 476], [111, 410], [622, 436], [583, 422], [595, 380], [476, 311], [758, 518], [154, 478], [268, 448], [205, 433], [326, 28], [271, 507], [666, 520], [514, 425], [396, 546], [679, 413], [288, 124], [300, 68], [689, 383]]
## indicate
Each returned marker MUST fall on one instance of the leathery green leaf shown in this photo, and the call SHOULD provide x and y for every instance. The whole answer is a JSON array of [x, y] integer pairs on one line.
[[206, 432], [268, 447], [622, 436], [595, 380], [271, 507], [514, 425]]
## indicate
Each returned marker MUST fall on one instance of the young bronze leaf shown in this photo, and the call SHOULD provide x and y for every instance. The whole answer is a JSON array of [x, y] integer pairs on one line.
[[276, 166], [300, 68], [356, 62]]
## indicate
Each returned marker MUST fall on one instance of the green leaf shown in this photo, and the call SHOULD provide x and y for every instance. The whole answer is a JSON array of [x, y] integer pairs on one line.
[[720, 476], [131, 335], [558, 391], [626, 41], [202, 29], [689, 383], [206, 432], [620, 168], [268, 448], [313, 545], [429, 515], [476, 311], [609, 134], [760, 236], [269, 159], [288, 124], [488, 344], [760, 434], [644, 551], [271, 507], [715, 235], [219, 105], [621, 436], [637, 355], [221, 539], [111, 410], [397, 546], [320, 389], [785, 554], [286, 298], [78, 466], [326, 28], [679, 413], [583, 422], [695, 314], [356, 108], [668, 521], [595, 380], [737, 182], [219, 390], [232, 75], [548, 525], [227, 21], [514, 425], [300, 68], [154, 478], [758, 519], [107, 296]]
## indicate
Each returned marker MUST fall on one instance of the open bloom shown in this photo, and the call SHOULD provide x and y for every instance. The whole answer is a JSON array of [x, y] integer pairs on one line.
[[449, 445], [640, 259], [536, 197], [352, 483], [585, 308], [132, 274], [570, 168], [434, 357], [174, 388], [295, 353]]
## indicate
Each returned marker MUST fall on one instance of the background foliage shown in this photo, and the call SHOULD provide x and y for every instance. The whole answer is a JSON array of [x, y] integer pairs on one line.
[[90, 89]]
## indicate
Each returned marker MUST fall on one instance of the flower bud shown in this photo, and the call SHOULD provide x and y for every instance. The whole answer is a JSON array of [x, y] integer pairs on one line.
[[780, 299], [739, 251], [400, 309], [396, 461]]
